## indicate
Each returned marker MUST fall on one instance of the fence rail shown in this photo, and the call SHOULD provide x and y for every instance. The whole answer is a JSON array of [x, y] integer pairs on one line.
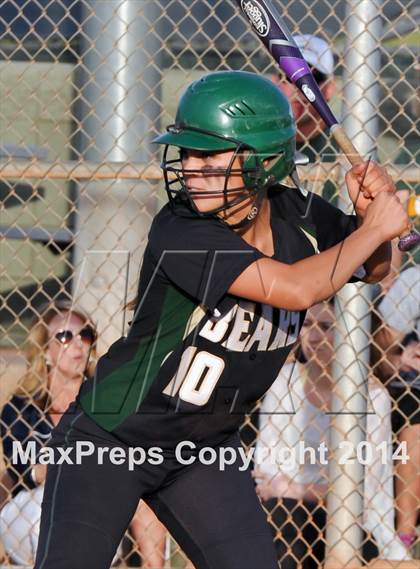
[[77, 170]]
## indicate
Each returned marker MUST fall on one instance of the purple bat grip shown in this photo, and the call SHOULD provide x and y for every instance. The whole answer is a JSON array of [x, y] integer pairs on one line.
[[274, 34], [409, 241]]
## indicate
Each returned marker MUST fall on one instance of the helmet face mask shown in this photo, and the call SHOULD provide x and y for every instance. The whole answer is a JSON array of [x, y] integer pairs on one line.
[[237, 111], [251, 172]]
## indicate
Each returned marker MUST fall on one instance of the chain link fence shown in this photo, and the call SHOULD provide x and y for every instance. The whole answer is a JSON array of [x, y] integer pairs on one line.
[[85, 86]]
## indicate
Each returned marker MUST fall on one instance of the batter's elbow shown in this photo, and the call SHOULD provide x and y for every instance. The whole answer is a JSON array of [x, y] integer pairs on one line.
[[307, 298], [298, 298]]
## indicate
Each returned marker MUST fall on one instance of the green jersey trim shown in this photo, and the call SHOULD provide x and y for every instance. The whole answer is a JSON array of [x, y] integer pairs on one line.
[[108, 403]]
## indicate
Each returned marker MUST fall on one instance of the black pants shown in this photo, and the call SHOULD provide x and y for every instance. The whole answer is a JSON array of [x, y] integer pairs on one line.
[[214, 515]]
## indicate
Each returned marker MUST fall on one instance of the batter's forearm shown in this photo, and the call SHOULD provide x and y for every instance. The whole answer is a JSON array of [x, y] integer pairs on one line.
[[307, 282], [378, 265], [324, 274]]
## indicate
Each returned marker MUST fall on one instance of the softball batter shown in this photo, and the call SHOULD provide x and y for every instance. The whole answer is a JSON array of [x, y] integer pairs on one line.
[[232, 263]]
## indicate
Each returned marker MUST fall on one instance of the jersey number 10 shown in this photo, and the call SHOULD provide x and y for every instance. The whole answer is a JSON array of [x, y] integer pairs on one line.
[[196, 377]]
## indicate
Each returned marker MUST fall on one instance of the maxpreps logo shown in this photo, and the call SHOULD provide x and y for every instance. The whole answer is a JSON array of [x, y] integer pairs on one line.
[[257, 16]]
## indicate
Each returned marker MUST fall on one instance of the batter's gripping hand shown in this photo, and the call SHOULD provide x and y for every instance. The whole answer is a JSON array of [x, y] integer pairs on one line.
[[365, 181], [386, 215]]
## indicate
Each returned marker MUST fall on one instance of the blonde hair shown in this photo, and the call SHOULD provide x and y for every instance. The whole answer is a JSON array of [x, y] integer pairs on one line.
[[34, 382]]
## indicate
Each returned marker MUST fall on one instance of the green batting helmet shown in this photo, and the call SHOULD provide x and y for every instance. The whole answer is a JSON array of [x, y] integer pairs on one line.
[[242, 111]]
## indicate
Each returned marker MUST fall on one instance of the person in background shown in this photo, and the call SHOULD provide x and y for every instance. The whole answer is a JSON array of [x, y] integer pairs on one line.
[[60, 351], [397, 352], [58, 348], [312, 137], [408, 192], [294, 412]]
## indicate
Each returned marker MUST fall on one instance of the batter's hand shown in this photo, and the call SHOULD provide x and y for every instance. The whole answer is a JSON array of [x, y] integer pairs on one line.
[[365, 181], [386, 214]]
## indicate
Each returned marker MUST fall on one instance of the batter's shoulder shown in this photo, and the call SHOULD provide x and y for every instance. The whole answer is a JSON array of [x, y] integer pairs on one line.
[[167, 230], [294, 205], [170, 231]]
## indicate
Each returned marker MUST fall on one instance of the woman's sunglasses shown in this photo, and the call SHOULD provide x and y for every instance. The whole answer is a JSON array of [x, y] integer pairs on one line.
[[86, 334]]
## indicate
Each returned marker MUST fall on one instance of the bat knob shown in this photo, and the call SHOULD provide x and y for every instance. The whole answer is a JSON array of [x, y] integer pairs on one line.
[[409, 241]]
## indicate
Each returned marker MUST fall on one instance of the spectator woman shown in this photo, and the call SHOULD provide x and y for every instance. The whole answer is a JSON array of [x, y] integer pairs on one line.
[[60, 351]]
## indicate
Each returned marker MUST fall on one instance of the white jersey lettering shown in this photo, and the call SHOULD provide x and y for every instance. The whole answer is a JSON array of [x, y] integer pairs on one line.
[[239, 335], [232, 330], [263, 330], [215, 329]]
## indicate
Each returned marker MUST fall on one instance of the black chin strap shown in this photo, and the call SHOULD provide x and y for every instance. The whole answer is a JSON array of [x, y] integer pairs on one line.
[[253, 213], [255, 209]]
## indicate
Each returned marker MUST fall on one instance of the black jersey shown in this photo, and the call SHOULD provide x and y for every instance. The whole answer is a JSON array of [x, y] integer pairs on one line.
[[196, 358]]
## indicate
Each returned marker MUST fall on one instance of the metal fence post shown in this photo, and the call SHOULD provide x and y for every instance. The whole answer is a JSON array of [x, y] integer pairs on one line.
[[345, 502], [119, 108]]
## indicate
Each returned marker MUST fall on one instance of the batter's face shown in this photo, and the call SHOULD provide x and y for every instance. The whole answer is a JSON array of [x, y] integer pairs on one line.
[[206, 180], [71, 359], [317, 335]]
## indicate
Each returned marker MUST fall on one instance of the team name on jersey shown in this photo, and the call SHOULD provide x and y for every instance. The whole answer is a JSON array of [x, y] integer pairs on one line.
[[248, 325]]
